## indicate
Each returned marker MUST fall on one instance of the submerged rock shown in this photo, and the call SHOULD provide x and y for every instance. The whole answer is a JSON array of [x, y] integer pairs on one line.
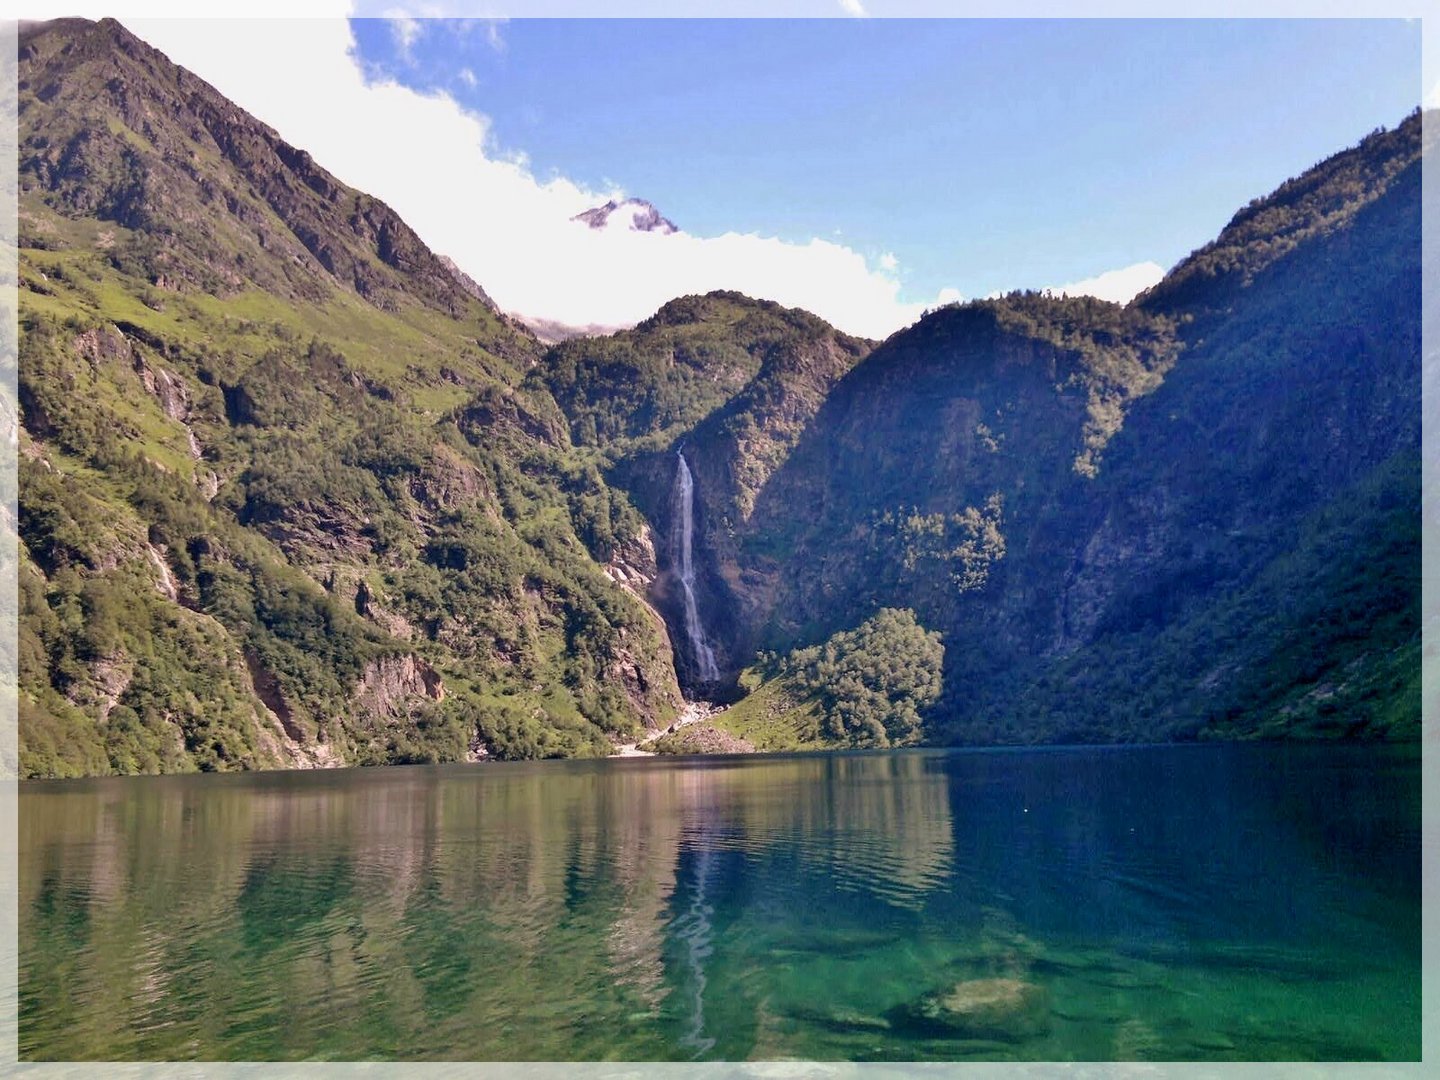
[[841, 1019], [1006, 1009]]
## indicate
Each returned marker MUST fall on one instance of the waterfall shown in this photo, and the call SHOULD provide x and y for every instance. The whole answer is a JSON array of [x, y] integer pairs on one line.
[[684, 539]]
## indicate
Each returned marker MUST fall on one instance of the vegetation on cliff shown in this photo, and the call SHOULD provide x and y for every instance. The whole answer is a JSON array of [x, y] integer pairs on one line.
[[1092, 503], [640, 388], [284, 498], [864, 688], [292, 492]]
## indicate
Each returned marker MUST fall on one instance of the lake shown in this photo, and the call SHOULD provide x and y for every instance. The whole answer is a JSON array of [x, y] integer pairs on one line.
[[1204, 902]]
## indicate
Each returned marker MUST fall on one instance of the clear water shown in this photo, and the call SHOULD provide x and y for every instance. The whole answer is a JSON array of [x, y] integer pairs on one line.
[[1157, 903]]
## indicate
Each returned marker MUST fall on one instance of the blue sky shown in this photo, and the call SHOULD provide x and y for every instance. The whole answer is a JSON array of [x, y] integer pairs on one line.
[[983, 155]]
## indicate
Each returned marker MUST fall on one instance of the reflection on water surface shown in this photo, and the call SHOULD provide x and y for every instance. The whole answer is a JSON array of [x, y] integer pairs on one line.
[[1153, 903]]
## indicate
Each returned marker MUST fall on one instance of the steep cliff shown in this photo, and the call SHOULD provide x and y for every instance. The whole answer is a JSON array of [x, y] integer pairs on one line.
[[1205, 505]]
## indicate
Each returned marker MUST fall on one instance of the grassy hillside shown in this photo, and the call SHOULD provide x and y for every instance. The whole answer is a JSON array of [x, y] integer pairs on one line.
[[284, 499], [863, 689]]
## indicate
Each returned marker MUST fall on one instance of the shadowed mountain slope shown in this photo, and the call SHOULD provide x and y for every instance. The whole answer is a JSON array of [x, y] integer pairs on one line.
[[1196, 515]]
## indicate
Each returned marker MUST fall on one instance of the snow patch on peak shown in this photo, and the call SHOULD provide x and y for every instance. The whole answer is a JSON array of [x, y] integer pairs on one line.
[[636, 215]]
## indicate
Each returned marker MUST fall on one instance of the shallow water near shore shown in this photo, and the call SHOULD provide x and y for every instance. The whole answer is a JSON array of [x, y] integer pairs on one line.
[[1160, 903]]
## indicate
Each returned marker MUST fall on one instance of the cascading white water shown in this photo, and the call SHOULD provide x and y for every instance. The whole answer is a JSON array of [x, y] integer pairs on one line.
[[684, 533]]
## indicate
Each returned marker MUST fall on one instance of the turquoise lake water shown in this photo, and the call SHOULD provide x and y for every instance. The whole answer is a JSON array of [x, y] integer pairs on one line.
[[1162, 903]]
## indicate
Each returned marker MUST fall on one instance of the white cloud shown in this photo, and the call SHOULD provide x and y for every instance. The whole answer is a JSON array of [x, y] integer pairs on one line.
[[1432, 99], [1118, 285], [433, 163], [406, 32], [467, 77], [854, 7], [949, 296], [493, 37], [889, 263]]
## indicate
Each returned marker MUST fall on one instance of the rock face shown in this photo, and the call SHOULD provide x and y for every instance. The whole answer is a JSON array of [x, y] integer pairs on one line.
[[1010, 1010], [466, 282], [284, 736], [390, 683], [649, 685]]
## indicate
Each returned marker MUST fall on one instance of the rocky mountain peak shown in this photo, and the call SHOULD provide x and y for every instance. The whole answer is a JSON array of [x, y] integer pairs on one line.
[[637, 215]]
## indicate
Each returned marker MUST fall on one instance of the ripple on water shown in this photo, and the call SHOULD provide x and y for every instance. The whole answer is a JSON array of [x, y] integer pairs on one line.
[[780, 908]]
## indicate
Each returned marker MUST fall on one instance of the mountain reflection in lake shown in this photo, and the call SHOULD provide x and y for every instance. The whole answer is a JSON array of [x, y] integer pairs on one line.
[[1201, 902]]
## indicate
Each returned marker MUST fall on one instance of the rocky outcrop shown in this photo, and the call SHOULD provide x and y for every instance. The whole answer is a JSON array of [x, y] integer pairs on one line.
[[168, 390], [466, 282], [112, 675], [476, 750], [647, 689], [634, 565], [110, 344], [650, 685], [391, 684], [701, 738], [448, 481], [268, 689], [104, 344], [367, 604], [495, 411], [280, 733]]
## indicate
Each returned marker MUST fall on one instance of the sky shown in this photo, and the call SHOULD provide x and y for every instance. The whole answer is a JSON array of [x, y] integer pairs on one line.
[[865, 169], [981, 155]]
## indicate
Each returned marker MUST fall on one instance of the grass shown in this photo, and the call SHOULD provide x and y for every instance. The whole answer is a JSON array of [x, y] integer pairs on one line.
[[772, 717]]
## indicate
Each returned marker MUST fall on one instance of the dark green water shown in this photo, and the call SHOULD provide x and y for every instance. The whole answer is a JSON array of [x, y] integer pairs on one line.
[[1157, 903]]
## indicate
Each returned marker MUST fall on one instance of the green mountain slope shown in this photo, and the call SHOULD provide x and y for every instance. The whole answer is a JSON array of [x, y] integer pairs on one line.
[[638, 388], [736, 380], [293, 493], [1193, 516], [285, 499]]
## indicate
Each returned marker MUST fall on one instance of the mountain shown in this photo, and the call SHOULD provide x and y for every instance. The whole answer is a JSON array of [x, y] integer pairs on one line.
[[286, 498], [634, 215], [466, 282], [1194, 516], [637, 215], [293, 493], [737, 378]]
